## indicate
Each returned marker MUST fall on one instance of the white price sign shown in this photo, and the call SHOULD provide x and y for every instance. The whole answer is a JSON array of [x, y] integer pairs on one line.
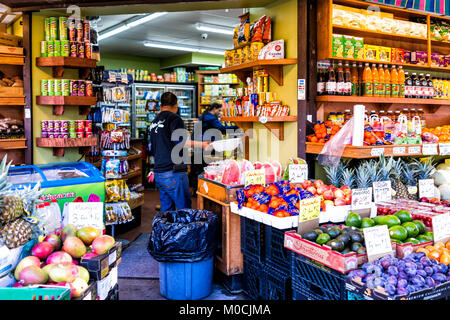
[[429, 149], [361, 198], [444, 149], [414, 150], [298, 173], [85, 214], [375, 152], [382, 191], [255, 177], [426, 188], [441, 227], [399, 150], [378, 242]]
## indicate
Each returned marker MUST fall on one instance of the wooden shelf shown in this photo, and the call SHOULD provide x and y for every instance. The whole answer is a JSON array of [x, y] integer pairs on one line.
[[219, 84], [12, 59], [128, 176], [366, 152], [349, 31], [137, 202], [13, 144], [12, 101], [59, 102], [362, 99], [274, 124], [273, 66], [59, 64], [59, 144]]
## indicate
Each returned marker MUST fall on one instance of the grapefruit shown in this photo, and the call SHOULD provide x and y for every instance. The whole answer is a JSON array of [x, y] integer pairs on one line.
[[271, 175], [231, 173]]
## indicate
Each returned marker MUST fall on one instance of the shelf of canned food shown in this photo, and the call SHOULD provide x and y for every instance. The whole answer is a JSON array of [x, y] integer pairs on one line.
[[66, 129]]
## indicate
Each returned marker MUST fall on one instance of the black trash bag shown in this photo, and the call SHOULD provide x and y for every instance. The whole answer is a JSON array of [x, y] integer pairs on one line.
[[186, 235]]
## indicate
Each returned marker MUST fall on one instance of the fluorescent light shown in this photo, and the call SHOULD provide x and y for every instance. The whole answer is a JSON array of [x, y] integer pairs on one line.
[[163, 45], [132, 24], [214, 28]]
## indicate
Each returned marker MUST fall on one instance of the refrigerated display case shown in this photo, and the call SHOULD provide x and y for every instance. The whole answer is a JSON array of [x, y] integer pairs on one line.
[[146, 103]]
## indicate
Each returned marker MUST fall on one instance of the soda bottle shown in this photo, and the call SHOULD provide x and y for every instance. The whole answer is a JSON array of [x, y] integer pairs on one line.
[[408, 85], [355, 81], [416, 85], [430, 86], [375, 80], [387, 82], [347, 81], [331, 82], [394, 82], [360, 78], [320, 83], [381, 89], [367, 81], [340, 83], [401, 82], [424, 86]]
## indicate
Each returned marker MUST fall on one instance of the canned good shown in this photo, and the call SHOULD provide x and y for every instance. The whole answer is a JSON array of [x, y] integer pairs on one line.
[[80, 50], [72, 125], [79, 125], [50, 48], [44, 49], [57, 46], [80, 134], [73, 87], [50, 135], [86, 31], [44, 134], [51, 87], [88, 50], [81, 88], [72, 134], [57, 126], [65, 135], [88, 134], [88, 125], [63, 28], [50, 125], [80, 30], [73, 49], [89, 88], [65, 48], [58, 87], [72, 31], [53, 28], [44, 88], [65, 125], [65, 87], [47, 29], [44, 125]]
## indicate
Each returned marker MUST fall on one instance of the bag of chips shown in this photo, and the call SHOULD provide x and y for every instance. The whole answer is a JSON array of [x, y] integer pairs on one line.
[[244, 29], [257, 30]]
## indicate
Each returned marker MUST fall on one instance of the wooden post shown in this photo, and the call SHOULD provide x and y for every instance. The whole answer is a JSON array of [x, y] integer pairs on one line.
[[28, 126]]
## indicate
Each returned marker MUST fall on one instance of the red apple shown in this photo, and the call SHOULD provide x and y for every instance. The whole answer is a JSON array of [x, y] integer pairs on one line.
[[338, 193], [348, 199], [311, 189], [332, 187], [322, 188], [328, 203], [328, 195], [346, 189], [318, 183], [339, 202], [307, 184]]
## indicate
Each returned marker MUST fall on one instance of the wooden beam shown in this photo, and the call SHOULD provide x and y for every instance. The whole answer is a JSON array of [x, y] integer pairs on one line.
[[27, 87], [302, 73]]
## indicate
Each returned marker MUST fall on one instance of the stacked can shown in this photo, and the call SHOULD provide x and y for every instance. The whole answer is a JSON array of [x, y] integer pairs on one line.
[[44, 129], [64, 129], [87, 128], [79, 127], [72, 126]]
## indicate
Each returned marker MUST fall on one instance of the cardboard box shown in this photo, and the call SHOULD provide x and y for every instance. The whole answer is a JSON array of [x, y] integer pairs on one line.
[[10, 40], [114, 253], [90, 293], [404, 249], [98, 267]]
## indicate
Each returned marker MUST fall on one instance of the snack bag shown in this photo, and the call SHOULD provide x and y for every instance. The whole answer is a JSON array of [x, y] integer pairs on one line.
[[370, 52], [112, 169], [235, 37], [267, 34], [244, 29], [258, 29], [112, 191]]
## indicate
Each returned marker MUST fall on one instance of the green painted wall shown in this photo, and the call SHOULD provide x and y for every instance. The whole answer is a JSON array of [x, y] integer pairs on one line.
[[118, 61]]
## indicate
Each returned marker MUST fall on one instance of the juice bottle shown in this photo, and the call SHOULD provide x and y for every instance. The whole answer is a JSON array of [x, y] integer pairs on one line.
[[355, 81], [421, 115], [416, 85], [360, 79], [367, 81], [423, 86], [401, 82], [394, 82], [320, 83], [375, 80], [436, 88], [430, 86], [387, 81], [381, 89]]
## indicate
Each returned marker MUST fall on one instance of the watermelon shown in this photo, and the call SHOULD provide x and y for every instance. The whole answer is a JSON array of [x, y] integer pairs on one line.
[[258, 165], [231, 173], [277, 165], [271, 175], [245, 165]]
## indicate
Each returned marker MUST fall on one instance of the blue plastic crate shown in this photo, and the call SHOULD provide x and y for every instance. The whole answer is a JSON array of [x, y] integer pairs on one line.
[[253, 279], [319, 281], [252, 239], [277, 286], [276, 255], [354, 296]]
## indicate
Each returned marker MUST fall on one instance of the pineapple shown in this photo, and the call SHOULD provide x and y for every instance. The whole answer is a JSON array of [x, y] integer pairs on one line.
[[383, 169], [425, 169], [363, 176], [16, 233], [400, 190], [410, 180], [11, 208], [334, 174], [348, 178]]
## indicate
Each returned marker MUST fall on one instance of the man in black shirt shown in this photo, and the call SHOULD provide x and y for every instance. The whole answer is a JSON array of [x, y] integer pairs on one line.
[[168, 137]]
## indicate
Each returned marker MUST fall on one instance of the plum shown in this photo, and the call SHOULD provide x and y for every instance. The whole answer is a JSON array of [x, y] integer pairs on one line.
[[378, 270], [411, 288], [422, 273], [392, 280], [385, 276], [439, 277], [411, 272], [370, 283], [368, 267], [356, 273], [430, 282], [402, 283], [419, 266], [436, 268], [392, 270], [433, 261], [429, 270], [402, 291], [379, 282], [425, 261], [418, 280], [448, 278], [443, 267], [418, 255], [370, 277], [410, 265], [401, 265], [402, 275], [390, 289]]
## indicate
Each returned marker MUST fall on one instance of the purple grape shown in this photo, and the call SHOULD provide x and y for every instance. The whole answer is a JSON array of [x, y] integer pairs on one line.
[[418, 281], [429, 270], [392, 270], [422, 273], [402, 283]]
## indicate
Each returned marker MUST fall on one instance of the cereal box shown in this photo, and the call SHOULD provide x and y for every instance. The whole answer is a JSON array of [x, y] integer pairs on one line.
[[358, 44], [348, 47], [397, 55], [370, 52], [384, 54], [435, 59], [338, 46]]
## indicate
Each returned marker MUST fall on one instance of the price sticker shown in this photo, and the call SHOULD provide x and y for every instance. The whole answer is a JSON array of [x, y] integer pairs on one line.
[[430, 149], [414, 150], [263, 119], [378, 242], [441, 227], [309, 209], [382, 191], [298, 173], [426, 188], [361, 198], [444, 149], [375, 152], [399, 150], [255, 177]]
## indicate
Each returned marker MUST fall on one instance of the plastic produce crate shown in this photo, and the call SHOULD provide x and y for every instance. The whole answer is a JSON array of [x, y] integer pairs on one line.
[[277, 286], [252, 239], [34, 293], [316, 280], [354, 296], [253, 279], [276, 255]]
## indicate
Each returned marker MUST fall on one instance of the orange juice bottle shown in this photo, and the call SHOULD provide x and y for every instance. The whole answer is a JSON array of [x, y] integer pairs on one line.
[[381, 89], [387, 82], [367, 81], [401, 82], [394, 82], [375, 80]]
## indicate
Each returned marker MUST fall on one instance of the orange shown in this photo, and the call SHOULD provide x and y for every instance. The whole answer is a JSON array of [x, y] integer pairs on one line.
[[447, 245], [314, 139], [434, 255], [429, 248], [424, 250], [445, 259], [439, 245]]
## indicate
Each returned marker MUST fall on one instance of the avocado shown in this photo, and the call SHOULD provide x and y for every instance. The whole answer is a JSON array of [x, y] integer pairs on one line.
[[378, 220], [361, 250], [356, 237], [398, 232], [334, 232], [336, 245], [396, 241], [419, 225], [353, 220], [411, 228], [323, 238], [318, 231], [429, 234], [424, 238], [412, 240], [310, 236], [355, 246], [391, 220], [346, 250], [345, 238], [323, 229], [403, 215], [367, 223]]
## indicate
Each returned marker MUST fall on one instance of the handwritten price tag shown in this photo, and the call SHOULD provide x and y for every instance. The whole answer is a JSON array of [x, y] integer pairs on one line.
[[441, 227], [399, 150], [426, 188], [309, 209], [375, 152], [298, 173], [255, 177], [414, 150], [86, 214], [382, 191], [361, 198], [378, 241], [429, 149], [444, 149]]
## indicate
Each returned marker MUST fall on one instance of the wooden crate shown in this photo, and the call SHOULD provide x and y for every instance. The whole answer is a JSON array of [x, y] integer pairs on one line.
[[11, 50], [12, 144], [137, 202], [13, 92], [229, 260], [216, 190]]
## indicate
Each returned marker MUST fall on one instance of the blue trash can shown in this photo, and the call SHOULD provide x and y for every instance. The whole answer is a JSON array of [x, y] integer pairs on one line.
[[186, 280]]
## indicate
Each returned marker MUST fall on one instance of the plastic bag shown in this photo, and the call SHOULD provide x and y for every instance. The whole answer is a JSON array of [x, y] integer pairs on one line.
[[332, 150], [183, 236]]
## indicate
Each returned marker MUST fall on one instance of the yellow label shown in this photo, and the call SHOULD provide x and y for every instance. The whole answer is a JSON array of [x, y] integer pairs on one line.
[[309, 209]]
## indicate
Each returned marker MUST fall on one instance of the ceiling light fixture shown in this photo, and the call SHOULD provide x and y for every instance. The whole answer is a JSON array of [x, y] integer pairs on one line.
[[169, 46], [214, 28], [132, 24]]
